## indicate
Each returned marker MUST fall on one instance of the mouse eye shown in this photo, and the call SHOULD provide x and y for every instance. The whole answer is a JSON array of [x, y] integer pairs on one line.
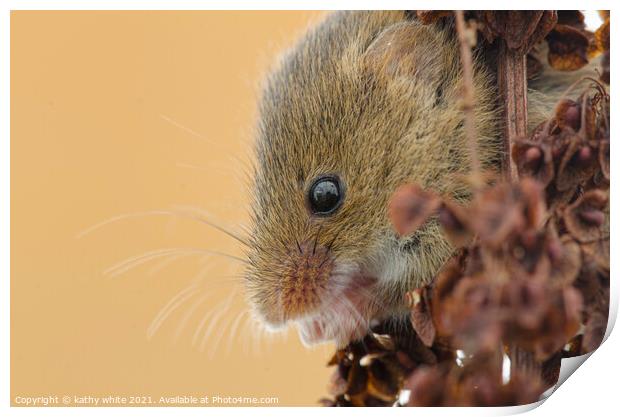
[[325, 195]]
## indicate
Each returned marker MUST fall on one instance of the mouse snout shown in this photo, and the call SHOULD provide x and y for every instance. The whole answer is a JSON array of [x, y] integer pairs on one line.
[[305, 278]]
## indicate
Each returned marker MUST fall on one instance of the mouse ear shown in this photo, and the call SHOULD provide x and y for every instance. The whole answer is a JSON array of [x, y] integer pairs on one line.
[[405, 49]]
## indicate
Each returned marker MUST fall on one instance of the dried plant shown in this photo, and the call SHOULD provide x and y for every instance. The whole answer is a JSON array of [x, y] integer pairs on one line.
[[530, 274]]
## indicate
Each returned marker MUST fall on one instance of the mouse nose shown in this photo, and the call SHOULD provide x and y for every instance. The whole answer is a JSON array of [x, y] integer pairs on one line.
[[305, 278]]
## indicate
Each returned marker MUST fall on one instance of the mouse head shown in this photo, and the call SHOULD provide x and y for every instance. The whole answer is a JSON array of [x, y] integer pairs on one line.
[[366, 102]]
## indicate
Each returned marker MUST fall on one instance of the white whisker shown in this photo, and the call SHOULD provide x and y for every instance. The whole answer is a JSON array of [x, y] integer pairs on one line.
[[215, 342], [187, 214], [201, 276], [215, 319], [234, 326], [208, 315], [188, 314], [172, 305], [184, 128], [137, 260], [204, 217], [164, 263]]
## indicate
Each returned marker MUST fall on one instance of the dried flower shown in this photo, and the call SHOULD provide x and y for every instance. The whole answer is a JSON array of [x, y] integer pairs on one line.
[[520, 29], [583, 218], [410, 207], [567, 48]]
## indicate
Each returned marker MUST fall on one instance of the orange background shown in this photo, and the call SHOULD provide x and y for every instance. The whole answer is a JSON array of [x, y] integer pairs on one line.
[[115, 113]]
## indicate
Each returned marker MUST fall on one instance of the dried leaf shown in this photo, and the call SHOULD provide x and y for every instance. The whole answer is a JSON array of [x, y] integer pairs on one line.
[[573, 347], [550, 371], [583, 218], [427, 387], [597, 251], [356, 381], [526, 256], [567, 48], [410, 207], [588, 119], [384, 382], [578, 165], [498, 215], [337, 385], [470, 315], [531, 194], [453, 220], [526, 302], [565, 257], [572, 18], [421, 318], [594, 331], [447, 278], [533, 160], [568, 114]]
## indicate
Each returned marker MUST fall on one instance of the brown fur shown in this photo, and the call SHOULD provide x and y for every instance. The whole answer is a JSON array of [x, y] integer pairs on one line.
[[375, 99]]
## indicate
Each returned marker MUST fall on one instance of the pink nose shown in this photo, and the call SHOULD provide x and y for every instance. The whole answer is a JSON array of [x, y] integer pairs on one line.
[[305, 279]]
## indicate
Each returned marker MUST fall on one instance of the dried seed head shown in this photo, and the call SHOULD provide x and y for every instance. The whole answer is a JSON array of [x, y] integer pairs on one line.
[[567, 48], [533, 160], [583, 218], [410, 207]]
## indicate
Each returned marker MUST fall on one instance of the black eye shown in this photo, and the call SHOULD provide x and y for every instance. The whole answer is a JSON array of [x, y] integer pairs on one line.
[[325, 195]]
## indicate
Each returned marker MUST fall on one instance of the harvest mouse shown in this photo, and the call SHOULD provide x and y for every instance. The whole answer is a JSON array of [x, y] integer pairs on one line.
[[365, 102]]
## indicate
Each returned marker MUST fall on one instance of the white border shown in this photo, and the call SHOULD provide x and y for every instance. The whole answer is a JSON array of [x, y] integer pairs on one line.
[[593, 390]]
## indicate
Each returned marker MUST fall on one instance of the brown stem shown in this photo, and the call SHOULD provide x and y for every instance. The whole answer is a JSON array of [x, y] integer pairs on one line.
[[512, 83], [468, 97]]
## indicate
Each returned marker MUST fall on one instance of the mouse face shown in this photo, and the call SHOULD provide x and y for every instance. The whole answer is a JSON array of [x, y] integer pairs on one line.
[[366, 102]]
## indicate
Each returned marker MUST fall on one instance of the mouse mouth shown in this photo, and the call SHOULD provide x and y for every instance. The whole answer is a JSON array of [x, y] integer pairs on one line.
[[328, 299], [346, 312]]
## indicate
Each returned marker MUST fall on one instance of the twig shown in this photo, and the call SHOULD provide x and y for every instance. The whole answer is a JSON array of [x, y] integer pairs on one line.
[[512, 84], [468, 97]]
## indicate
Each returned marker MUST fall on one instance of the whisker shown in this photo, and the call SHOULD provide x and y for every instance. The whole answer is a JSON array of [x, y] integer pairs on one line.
[[163, 264], [137, 260], [171, 306], [188, 314], [184, 128], [299, 246], [214, 322], [215, 313], [234, 326], [356, 315], [247, 334], [134, 261], [114, 219], [331, 243], [198, 278], [316, 238], [181, 214], [202, 323], [256, 332], [191, 212], [215, 343]]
